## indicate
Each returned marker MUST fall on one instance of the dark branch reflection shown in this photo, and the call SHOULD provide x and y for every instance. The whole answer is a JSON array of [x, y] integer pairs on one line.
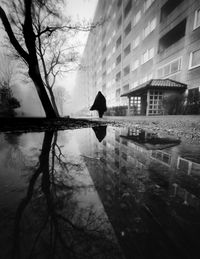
[[49, 223]]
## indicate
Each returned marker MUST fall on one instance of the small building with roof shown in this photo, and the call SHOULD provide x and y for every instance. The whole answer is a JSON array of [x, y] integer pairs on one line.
[[147, 98]]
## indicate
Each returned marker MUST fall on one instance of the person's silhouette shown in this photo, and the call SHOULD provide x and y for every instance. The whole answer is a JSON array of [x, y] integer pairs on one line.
[[100, 132], [99, 104]]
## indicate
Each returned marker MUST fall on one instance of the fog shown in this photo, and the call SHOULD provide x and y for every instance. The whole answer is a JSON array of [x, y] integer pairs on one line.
[[71, 101]]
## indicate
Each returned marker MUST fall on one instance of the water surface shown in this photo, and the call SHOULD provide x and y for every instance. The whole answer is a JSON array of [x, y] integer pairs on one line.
[[102, 192]]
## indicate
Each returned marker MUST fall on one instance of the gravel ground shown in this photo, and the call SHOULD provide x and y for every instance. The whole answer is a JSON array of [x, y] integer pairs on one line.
[[184, 127]]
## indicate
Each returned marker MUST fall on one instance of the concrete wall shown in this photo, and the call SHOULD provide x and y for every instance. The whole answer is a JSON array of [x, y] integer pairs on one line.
[[101, 46]]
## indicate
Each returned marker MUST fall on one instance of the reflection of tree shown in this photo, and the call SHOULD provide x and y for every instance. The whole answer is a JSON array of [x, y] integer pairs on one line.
[[49, 222]]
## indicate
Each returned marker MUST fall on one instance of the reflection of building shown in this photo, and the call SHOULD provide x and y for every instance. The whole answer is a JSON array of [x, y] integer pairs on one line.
[[121, 157], [142, 40], [145, 193], [188, 166]]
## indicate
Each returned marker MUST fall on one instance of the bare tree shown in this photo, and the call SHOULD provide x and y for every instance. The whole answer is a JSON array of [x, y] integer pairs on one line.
[[34, 29], [20, 30], [7, 70]]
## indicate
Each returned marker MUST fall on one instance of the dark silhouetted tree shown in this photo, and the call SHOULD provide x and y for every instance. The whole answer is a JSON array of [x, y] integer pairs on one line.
[[34, 29]]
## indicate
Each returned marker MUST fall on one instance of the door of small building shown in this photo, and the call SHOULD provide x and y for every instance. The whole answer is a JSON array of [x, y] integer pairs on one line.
[[137, 105], [155, 106]]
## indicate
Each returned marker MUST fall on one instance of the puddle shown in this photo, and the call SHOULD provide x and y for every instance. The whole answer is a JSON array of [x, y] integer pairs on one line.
[[102, 192]]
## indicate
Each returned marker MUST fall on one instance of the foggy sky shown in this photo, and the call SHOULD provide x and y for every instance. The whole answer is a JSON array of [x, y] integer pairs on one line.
[[78, 10]]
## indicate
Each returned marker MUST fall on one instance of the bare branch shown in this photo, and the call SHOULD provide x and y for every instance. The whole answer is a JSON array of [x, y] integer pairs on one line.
[[11, 36]]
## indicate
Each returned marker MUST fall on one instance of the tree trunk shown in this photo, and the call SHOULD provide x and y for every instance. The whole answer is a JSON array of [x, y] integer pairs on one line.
[[44, 98], [30, 57], [53, 101]]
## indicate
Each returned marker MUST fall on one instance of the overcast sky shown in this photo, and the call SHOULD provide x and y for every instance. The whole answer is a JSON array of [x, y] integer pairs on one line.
[[79, 10]]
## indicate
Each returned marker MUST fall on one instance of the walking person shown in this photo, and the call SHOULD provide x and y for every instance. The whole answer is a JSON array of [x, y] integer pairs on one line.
[[99, 104]]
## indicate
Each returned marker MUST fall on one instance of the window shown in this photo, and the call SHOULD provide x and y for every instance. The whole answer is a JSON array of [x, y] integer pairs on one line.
[[137, 18], [173, 67], [197, 19], [160, 72], [146, 31], [127, 8], [149, 28], [119, 22], [147, 55], [126, 70], [151, 53], [171, 37], [118, 60], [166, 70], [118, 42], [135, 64], [135, 104], [168, 8], [147, 4], [194, 59], [161, 156], [136, 42], [127, 29], [117, 93], [155, 103], [118, 76], [127, 50], [125, 88], [153, 24]]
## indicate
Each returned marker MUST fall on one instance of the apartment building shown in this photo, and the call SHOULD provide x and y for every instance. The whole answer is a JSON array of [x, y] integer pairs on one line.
[[145, 50]]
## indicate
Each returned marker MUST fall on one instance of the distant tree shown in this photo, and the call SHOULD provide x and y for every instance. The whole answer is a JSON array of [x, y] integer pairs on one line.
[[61, 97], [34, 28], [7, 101], [173, 104]]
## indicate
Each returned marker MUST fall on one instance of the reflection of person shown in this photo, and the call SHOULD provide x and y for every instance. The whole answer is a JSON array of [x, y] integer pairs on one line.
[[100, 132], [99, 104]]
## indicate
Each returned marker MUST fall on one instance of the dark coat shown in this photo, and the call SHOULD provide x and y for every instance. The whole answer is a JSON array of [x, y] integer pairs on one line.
[[99, 103]]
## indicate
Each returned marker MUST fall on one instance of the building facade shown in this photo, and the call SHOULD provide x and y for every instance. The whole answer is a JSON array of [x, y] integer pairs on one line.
[[141, 40]]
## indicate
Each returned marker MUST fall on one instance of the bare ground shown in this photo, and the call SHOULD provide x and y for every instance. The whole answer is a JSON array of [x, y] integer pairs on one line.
[[185, 127]]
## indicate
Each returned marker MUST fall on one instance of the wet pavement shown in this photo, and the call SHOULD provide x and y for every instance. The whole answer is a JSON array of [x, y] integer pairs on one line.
[[101, 192]]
